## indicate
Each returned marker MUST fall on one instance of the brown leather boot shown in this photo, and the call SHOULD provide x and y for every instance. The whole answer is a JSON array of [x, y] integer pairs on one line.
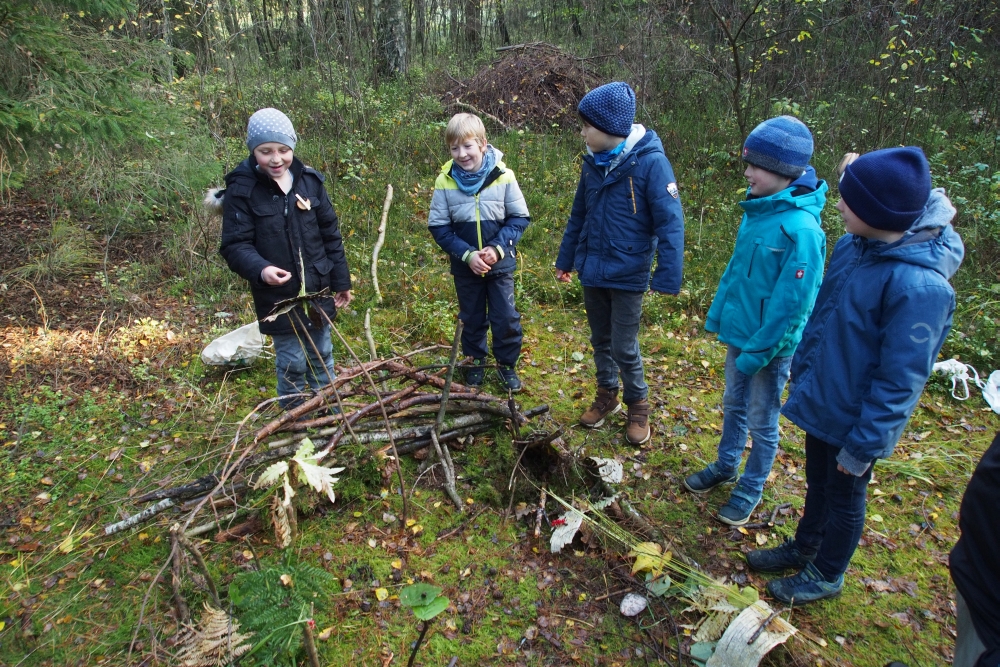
[[637, 432], [605, 404]]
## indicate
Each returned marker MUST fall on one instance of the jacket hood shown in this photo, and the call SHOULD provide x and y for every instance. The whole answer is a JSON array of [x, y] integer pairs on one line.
[[639, 141], [811, 202], [446, 167], [807, 180], [931, 241]]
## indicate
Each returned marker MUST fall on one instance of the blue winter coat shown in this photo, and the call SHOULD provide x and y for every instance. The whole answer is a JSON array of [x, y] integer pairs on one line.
[[882, 314], [619, 220], [768, 289]]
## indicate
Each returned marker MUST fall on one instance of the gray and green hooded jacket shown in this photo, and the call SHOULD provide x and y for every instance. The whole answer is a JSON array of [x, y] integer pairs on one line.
[[496, 216]]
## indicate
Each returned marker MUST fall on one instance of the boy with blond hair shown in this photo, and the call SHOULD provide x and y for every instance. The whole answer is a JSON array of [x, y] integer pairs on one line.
[[477, 216]]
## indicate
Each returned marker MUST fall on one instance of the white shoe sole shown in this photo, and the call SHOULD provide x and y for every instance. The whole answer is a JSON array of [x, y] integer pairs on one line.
[[618, 408]]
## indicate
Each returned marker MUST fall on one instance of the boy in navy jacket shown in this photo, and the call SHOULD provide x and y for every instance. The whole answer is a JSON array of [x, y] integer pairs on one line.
[[626, 210], [883, 311], [760, 309]]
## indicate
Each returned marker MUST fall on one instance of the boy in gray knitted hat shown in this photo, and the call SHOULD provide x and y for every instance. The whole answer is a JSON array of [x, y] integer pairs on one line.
[[280, 232]]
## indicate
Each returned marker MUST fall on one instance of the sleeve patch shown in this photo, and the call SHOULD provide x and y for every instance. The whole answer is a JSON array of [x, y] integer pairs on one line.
[[672, 189], [800, 274]]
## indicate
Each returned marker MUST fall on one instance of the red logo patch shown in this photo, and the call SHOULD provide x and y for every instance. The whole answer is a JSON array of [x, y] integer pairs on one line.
[[800, 273], [745, 151]]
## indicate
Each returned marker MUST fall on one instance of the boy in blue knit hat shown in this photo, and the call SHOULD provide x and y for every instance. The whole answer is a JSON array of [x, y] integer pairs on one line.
[[883, 311], [626, 210], [762, 304]]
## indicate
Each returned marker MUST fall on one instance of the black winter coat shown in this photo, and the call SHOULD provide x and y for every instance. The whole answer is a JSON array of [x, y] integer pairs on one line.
[[262, 226]]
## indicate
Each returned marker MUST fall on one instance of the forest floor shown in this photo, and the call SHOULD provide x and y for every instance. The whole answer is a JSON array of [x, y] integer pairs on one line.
[[104, 398]]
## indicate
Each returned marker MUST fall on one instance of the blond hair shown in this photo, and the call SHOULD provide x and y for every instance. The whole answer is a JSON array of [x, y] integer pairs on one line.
[[464, 125]]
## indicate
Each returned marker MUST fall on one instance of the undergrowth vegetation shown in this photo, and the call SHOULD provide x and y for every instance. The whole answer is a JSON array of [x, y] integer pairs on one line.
[[114, 402]]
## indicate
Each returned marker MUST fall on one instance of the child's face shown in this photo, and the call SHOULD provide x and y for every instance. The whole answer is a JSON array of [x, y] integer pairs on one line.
[[273, 158], [468, 153], [597, 140], [764, 183], [852, 223]]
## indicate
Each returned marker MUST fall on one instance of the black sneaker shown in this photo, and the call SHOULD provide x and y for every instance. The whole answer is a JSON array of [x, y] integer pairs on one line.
[[509, 378], [474, 373], [806, 586], [784, 557]]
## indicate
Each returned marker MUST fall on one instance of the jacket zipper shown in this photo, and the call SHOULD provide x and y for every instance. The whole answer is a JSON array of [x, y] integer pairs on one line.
[[479, 227], [754, 254], [631, 187]]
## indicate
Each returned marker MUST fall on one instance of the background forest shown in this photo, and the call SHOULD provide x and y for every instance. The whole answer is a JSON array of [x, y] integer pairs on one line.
[[116, 116]]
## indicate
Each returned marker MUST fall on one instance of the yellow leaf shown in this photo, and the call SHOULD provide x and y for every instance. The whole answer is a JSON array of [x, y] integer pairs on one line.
[[286, 579], [417, 529], [67, 544], [323, 636], [469, 501], [3, 624], [410, 522], [381, 594], [704, 363], [743, 530], [649, 557], [247, 554], [398, 564], [877, 518], [761, 539]]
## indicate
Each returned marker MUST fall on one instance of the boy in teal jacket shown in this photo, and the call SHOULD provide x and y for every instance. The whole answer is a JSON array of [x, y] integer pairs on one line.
[[762, 304]]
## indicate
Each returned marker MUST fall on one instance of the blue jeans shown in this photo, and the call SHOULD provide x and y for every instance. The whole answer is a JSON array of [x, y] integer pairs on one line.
[[751, 403], [613, 316], [488, 302], [834, 515], [297, 362]]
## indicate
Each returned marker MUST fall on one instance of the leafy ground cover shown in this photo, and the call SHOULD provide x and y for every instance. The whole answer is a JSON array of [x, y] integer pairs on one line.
[[78, 444], [104, 398]]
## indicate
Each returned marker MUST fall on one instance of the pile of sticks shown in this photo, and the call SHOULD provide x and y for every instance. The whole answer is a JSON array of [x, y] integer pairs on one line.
[[387, 406]]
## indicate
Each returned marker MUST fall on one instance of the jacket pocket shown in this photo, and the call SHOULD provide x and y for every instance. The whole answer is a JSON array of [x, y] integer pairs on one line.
[[627, 261], [324, 269]]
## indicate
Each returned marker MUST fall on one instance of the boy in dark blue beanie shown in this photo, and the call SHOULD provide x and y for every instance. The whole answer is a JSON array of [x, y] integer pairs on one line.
[[762, 304], [882, 314], [626, 210]]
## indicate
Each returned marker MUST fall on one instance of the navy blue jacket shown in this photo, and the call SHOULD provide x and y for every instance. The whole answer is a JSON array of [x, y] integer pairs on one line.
[[882, 314], [620, 219]]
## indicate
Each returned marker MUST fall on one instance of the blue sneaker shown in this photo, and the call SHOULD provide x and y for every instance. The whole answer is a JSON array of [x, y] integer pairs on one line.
[[806, 586], [708, 479], [784, 557], [737, 510], [474, 374]]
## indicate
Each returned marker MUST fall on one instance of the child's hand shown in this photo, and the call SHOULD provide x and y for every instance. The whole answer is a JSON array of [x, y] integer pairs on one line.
[[341, 299], [564, 276], [477, 265], [489, 255], [272, 275]]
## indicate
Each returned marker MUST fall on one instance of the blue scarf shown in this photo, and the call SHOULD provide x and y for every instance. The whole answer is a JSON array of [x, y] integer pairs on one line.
[[605, 158], [470, 182]]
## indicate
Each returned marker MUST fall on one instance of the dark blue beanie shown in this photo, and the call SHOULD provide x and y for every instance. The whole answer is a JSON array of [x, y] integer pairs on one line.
[[610, 108], [783, 145], [888, 189]]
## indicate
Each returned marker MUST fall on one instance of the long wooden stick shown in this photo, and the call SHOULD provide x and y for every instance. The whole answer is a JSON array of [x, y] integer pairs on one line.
[[140, 517], [380, 241], [441, 449]]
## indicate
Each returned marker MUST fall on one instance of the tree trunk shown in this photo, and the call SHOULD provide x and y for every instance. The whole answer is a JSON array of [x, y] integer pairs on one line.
[[391, 38], [473, 28], [501, 22]]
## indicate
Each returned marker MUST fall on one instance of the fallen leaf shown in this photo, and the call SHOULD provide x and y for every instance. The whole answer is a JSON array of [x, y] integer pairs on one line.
[[286, 579], [381, 594], [325, 634]]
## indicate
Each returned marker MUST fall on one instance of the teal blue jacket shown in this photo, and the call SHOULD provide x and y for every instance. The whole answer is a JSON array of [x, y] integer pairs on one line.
[[769, 287]]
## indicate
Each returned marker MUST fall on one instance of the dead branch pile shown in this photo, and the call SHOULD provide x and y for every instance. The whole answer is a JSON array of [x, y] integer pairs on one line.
[[380, 406], [530, 84]]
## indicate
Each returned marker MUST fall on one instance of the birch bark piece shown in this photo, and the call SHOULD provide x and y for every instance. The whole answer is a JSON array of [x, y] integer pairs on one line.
[[380, 241], [733, 649], [633, 604]]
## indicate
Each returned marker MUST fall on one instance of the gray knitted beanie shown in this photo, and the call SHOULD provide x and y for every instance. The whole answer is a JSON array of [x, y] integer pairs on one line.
[[270, 125]]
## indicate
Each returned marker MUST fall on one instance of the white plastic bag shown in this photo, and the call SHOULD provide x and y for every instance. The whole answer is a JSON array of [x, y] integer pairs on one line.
[[240, 346], [991, 391], [958, 372]]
